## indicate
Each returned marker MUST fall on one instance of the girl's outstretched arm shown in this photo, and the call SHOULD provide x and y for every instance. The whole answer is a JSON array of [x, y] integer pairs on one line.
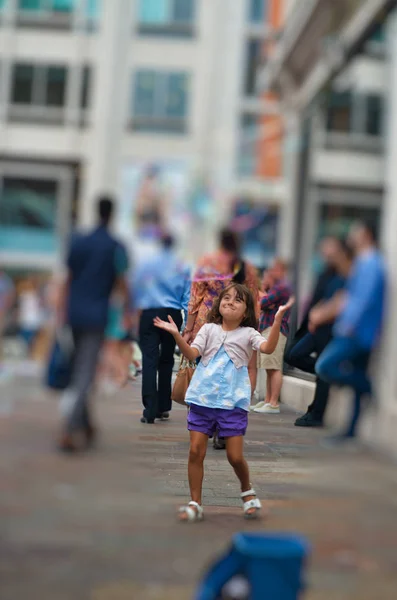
[[187, 351]]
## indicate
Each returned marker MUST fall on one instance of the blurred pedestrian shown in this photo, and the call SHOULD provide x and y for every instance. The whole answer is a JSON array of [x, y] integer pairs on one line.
[[213, 274], [117, 352], [30, 312], [305, 350], [219, 394], [96, 263], [345, 360], [7, 297], [161, 288], [276, 293]]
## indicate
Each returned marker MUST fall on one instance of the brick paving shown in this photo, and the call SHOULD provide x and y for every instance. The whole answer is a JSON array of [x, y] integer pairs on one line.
[[102, 526]]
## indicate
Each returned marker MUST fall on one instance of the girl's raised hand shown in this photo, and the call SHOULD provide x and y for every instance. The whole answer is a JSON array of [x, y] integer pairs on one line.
[[283, 309], [169, 326]]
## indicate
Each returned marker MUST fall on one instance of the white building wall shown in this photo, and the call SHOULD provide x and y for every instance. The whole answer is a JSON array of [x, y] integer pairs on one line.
[[213, 57]]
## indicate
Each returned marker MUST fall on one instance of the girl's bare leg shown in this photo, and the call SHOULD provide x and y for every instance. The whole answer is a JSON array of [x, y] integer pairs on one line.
[[235, 456], [197, 452]]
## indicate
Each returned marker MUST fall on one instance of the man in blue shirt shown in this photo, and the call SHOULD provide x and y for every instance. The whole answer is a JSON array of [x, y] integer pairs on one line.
[[96, 263], [357, 328], [161, 287]]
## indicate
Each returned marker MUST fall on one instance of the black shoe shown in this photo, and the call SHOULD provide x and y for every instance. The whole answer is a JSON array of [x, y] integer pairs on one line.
[[219, 443], [308, 420], [163, 416], [147, 421]]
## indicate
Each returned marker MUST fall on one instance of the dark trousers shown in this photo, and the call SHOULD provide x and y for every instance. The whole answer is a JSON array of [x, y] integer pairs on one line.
[[344, 362], [300, 356], [158, 349], [75, 399]]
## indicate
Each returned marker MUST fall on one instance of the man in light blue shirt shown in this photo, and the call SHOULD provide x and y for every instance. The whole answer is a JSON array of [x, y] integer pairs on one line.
[[160, 287], [358, 327]]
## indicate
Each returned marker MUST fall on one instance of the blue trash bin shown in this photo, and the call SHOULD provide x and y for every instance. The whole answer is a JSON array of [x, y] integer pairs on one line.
[[272, 563]]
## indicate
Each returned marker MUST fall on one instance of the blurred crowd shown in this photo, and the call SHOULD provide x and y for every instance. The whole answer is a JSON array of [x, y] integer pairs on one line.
[[108, 305]]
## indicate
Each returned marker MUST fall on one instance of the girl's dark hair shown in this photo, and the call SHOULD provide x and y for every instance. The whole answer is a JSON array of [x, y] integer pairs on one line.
[[230, 242], [242, 293]]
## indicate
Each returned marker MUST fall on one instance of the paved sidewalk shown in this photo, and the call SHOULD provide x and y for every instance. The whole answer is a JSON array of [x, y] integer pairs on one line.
[[102, 526]]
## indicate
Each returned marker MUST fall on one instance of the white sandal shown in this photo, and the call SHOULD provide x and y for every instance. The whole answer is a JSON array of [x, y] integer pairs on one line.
[[193, 514], [254, 503]]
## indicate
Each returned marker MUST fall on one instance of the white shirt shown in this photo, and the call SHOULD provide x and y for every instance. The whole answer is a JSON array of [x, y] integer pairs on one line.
[[30, 315], [239, 343]]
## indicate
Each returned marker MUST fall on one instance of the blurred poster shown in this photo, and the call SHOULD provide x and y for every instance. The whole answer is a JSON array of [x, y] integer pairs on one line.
[[153, 200], [257, 225]]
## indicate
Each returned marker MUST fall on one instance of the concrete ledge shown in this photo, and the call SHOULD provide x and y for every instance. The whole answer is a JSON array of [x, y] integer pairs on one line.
[[297, 393]]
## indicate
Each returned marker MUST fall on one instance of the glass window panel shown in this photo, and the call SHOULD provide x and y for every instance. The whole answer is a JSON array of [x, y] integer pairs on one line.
[[56, 86], [183, 11], [144, 96], [176, 103], [374, 115], [64, 6], [28, 215], [253, 59], [93, 8], [339, 112], [257, 11], [22, 85], [33, 5], [85, 87], [154, 11], [2, 4]]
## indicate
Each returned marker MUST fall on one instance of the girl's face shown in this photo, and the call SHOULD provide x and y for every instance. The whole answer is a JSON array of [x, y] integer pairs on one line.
[[232, 307]]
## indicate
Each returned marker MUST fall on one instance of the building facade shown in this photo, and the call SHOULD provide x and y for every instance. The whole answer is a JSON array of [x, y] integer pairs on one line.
[[96, 94]]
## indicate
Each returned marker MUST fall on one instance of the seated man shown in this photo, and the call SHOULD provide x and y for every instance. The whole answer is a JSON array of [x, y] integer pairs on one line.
[[312, 339]]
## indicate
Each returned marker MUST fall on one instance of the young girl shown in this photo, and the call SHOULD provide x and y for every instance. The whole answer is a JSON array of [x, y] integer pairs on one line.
[[220, 392]]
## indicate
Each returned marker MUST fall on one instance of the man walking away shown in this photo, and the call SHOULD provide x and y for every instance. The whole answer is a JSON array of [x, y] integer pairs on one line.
[[345, 360], [277, 295], [96, 262], [161, 287]]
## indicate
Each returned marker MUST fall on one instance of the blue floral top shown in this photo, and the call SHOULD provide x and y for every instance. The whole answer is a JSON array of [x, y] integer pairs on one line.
[[220, 384]]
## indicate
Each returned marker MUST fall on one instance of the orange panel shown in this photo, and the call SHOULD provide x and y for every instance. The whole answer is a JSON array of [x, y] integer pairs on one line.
[[269, 146]]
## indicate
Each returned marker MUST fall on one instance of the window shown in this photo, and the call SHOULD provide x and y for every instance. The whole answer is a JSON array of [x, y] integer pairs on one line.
[[46, 13], [85, 95], [374, 115], [257, 11], [160, 101], [254, 52], [85, 87], [339, 112], [28, 214], [92, 11], [38, 92], [166, 17]]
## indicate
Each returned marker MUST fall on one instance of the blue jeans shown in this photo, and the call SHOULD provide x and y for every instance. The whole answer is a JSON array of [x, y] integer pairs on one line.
[[345, 363]]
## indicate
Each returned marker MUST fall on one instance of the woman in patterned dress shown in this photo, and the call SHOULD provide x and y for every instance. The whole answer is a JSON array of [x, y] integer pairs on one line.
[[213, 274]]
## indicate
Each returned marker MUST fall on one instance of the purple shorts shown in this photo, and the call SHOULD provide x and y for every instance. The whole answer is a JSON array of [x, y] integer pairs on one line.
[[228, 423]]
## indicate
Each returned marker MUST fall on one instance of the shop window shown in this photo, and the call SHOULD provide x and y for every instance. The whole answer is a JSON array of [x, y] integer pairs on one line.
[[28, 211]]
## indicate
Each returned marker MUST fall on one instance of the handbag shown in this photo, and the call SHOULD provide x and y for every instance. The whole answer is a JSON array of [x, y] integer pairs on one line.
[[59, 369], [182, 381]]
